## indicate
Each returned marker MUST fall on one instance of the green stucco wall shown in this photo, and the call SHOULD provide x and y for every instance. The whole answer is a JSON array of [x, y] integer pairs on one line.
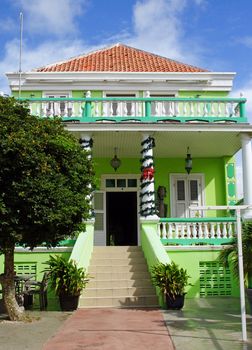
[[28, 94], [33, 257], [212, 168], [99, 93], [202, 94], [190, 261]]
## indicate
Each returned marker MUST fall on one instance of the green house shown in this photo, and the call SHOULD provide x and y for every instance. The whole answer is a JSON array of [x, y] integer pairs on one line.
[[163, 136]]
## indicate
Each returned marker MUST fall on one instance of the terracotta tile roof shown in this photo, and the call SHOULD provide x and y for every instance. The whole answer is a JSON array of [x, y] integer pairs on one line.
[[119, 58]]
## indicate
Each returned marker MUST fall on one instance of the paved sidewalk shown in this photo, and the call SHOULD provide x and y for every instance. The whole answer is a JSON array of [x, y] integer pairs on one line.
[[209, 324], [112, 329], [203, 324]]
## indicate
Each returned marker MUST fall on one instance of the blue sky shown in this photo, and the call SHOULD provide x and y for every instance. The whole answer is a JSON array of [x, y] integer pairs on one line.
[[212, 34]]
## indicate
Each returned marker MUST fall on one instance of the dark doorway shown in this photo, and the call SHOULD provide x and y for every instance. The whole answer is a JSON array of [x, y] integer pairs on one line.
[[121, 218]]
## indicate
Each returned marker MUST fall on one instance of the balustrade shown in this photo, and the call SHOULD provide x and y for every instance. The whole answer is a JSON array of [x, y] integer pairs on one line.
[[149, 109], [196, 228]]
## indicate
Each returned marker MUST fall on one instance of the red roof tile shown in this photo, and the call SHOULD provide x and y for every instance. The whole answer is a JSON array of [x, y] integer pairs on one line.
[[120, 58]]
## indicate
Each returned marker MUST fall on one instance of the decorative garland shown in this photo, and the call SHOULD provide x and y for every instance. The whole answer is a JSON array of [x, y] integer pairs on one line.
[[148, 173], [86, 144], [147, 206], [149, 143]]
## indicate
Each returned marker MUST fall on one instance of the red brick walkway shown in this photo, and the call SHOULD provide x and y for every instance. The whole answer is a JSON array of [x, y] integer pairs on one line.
[[112, 329]]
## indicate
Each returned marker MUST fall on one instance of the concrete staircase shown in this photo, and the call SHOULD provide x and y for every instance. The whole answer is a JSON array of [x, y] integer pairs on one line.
[[120, 279]]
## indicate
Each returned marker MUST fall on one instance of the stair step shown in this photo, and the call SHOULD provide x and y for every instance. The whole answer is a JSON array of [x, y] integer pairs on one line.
[[123, 301], [118, 268], [119, 283], [117, 255], [117, 261], [119, 278], [131, 275], [117, 249], [118, 292]]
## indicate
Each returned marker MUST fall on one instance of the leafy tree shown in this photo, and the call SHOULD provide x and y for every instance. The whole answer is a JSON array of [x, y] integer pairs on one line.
[[45, 179]]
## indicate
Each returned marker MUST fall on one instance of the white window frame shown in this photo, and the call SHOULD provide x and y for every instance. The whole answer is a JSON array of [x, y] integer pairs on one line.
[[176, 176], [56, 106], [123, 189], [134, 94], [100, 235], [161, 107]]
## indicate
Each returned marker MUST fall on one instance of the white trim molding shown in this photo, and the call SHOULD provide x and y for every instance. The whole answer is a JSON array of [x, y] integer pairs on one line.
[[200, 81]]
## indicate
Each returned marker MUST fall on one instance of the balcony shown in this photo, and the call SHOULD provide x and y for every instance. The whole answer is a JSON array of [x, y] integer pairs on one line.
[[141, 110]]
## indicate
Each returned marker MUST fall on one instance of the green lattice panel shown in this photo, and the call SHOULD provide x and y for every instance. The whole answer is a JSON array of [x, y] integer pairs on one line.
[[22, 268], [214, 279]]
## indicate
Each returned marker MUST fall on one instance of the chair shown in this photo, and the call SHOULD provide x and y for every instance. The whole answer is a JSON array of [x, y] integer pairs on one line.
[[36, 287]]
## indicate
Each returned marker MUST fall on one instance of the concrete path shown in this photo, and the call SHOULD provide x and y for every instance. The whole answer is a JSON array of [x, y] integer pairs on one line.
[[112, 329], [209, 324]]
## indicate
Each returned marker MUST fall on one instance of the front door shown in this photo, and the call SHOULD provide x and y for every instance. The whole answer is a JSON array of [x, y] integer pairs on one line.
[[121, 218], [186, 191]]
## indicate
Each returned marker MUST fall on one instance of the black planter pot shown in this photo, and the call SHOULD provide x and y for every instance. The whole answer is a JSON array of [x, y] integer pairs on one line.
[[249, 296], [175, 304], [68, 302]]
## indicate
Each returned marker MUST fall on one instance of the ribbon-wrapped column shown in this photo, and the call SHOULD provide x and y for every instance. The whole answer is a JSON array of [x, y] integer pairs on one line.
[[147, 195], [86, 143]]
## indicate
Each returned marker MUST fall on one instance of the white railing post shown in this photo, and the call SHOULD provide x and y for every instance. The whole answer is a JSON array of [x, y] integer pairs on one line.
[[170, 230], [241, 275], [247, 173]]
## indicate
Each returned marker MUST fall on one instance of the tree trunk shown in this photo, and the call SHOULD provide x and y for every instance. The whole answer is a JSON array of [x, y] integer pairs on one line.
[[13, 310]]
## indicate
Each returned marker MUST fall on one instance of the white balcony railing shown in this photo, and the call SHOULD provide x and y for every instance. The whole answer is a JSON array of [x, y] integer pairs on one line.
[[150, 109], [197, 228]]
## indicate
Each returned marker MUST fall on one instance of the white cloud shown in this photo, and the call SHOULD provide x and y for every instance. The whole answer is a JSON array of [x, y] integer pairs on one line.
[[158, 27], [8, 25], [56, 17], [45, 53], [246, 40]]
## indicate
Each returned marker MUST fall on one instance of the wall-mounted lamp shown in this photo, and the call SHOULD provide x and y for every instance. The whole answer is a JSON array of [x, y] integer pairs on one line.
[[115, 162], [188, 162]]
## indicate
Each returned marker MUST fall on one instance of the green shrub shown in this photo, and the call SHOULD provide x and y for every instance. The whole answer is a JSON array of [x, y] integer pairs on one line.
[[171, 279], [66, 278]]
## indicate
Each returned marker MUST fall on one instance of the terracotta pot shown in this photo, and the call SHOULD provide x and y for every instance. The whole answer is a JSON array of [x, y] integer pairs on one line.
[[175, 304], [69, 302]]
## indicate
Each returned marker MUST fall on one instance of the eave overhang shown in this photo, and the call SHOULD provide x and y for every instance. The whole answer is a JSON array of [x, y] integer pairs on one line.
[[217, 81], [205, 141]]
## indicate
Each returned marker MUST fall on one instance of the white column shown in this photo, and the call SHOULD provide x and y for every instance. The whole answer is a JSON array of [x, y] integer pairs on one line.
[[147, 205], [247, 172], [87, 144]]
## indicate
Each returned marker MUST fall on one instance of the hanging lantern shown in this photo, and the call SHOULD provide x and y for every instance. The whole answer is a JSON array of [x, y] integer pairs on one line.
[[115, 162], [188, 162]]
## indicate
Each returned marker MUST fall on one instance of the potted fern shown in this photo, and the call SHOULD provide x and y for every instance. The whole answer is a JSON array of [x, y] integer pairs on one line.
[[172, 280], [67, 280], [229, 257]]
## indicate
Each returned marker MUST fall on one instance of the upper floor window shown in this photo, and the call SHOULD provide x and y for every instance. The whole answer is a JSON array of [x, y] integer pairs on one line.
[[57, 107], [121, 108], [161, 108]]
